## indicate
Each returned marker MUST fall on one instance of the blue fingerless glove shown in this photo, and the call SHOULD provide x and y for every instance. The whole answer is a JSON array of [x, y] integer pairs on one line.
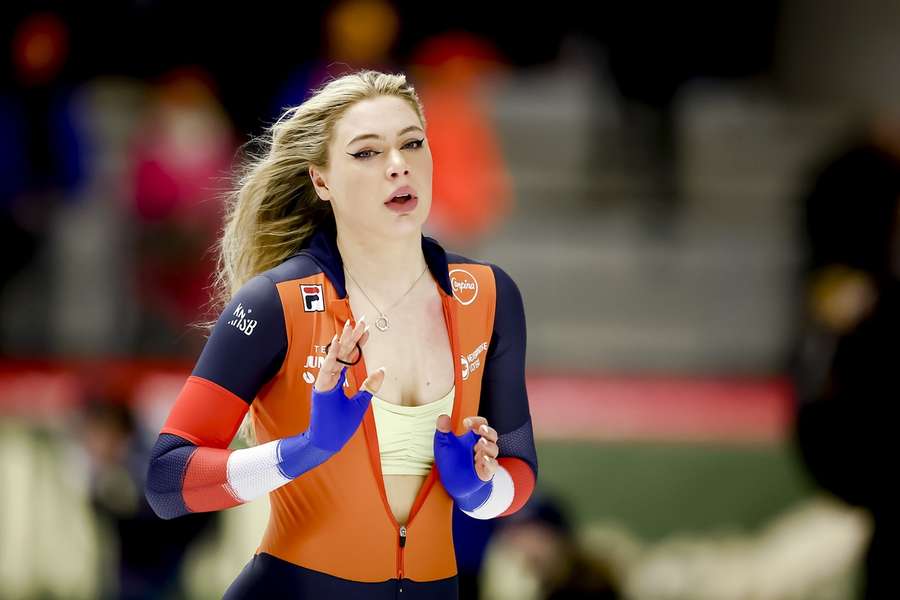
[[454, 457], [334, 419]]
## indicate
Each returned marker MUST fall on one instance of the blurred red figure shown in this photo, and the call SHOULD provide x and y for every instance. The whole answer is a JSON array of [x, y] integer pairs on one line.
[[471, 189], [182, 148]]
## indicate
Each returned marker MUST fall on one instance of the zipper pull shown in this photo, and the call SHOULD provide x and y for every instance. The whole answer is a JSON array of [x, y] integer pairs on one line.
[[402, 536]]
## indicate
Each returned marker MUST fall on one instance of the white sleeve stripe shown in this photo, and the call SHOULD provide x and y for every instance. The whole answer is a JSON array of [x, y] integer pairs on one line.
[[500, 499], [253, 472]]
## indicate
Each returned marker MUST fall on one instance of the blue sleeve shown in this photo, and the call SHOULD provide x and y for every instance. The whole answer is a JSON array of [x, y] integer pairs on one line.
[[504, 399], [248, 343]]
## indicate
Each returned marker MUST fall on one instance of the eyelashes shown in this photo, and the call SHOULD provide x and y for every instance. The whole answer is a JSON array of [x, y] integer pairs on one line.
[[367, 154]]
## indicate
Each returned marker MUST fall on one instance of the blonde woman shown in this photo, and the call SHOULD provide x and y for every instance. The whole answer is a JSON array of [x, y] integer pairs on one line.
[[325, 272]]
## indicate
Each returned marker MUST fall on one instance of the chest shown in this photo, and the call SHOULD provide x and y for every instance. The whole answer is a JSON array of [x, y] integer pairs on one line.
[[415, 349]]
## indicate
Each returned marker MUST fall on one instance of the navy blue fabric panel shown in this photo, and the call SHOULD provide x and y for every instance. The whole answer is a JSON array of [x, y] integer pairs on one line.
[[504, 398], [165, 475], [297, 266], [267, 576], [248, 342]]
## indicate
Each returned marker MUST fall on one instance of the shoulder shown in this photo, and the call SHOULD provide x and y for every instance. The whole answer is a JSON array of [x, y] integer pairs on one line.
[[506, 290], [298, 266], [455, 261], [264, 285], [260, 293]]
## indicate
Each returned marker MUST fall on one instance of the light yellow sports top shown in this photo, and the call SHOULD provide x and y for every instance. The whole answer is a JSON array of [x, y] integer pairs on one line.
[[406, 434]]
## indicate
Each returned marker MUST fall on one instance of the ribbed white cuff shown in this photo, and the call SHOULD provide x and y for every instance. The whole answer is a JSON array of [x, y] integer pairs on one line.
[[253, 472], [500, 499]]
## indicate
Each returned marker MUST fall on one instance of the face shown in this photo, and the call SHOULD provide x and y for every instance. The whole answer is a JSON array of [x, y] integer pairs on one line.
[[377, 146]]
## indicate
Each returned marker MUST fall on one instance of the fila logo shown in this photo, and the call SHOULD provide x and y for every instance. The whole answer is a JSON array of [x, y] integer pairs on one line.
[[240, 320], [465, 286], [472, 361], [313, 297]]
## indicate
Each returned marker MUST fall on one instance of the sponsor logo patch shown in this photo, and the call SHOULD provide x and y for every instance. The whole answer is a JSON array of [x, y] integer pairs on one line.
[[472, 361], [313, 297], [465, 286], [242, 321]]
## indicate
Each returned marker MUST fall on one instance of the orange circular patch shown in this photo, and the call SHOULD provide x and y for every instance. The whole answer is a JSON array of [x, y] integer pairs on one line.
[[465, 286]]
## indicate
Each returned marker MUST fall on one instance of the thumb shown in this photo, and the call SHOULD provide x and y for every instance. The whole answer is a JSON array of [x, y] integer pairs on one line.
[[443, 423], [373, 382]]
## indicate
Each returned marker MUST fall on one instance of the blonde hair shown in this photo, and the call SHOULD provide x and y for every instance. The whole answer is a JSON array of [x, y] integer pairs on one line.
[[273, 208]]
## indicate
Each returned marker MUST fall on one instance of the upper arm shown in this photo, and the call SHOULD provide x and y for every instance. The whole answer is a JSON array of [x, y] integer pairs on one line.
[[245, 349], [504, 397]]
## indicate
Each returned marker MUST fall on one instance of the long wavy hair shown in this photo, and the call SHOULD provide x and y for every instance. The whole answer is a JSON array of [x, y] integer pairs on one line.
[[272, 208]]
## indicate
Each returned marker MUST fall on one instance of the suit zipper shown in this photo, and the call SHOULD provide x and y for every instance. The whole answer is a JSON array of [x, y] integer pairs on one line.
[[429, 481], [400, 556]]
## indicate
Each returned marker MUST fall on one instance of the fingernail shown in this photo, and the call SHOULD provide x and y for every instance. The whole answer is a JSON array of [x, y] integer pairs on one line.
[[484, 428], [484, 441], [362, 318]]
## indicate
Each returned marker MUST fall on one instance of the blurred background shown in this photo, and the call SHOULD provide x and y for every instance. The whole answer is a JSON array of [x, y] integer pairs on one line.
[[698, 201]]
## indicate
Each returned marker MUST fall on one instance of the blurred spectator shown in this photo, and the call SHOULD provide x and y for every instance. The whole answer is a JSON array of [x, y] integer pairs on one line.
[[845, 365], [150, 551], [471, 189], [359, 34], [536, 554], [183, 149]]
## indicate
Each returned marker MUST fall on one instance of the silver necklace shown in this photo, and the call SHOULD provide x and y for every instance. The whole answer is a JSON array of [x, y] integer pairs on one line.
[[382, 321]]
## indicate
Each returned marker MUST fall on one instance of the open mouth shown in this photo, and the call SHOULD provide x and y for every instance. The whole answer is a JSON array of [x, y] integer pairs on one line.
[[403, 203]]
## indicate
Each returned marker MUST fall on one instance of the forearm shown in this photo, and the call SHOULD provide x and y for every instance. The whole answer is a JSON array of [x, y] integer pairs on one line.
[[183, 478]]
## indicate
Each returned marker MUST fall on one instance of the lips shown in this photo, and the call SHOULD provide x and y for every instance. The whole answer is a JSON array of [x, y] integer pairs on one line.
[[401, 191]]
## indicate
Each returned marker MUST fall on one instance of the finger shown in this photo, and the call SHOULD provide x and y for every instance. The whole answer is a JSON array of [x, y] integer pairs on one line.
[[373, 382], [331, 356], [487, 431], [360, 328], [488, 447], [344, 338], [485, 467], [443, 423], [364, 337], [474, 422], [356, 331], [348, 340]]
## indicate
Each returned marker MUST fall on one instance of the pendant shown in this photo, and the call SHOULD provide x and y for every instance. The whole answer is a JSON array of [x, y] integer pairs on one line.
[[381, 323]]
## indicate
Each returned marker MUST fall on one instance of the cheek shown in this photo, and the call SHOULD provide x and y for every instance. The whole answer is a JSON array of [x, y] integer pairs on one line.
[[352, 188]]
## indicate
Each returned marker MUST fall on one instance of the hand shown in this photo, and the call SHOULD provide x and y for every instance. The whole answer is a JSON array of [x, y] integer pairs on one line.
[[486, 449], [343, 346], [335, 417], [464, 462]]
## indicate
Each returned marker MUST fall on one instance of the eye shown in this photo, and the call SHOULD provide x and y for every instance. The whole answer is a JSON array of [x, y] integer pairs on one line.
[[362, 152], [419, 143]]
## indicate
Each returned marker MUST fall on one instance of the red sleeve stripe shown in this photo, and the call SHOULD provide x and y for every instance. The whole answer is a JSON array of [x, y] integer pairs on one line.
[[205, 413], [205, 485], [523, 480]]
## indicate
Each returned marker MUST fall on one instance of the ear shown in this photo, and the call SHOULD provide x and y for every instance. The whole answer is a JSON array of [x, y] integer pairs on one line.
[[318, 181]]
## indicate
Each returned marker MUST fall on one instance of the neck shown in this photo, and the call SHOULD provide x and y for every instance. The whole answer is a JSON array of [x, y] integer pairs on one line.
[[384, 268]]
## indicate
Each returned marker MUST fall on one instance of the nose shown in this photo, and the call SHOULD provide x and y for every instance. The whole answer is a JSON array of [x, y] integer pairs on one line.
[[397, 165]]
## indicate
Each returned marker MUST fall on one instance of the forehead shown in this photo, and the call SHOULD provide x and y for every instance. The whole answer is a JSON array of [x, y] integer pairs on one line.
[[385, 116]]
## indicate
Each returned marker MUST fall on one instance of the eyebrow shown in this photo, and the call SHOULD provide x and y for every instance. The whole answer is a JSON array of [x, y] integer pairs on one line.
[[366, 136]]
